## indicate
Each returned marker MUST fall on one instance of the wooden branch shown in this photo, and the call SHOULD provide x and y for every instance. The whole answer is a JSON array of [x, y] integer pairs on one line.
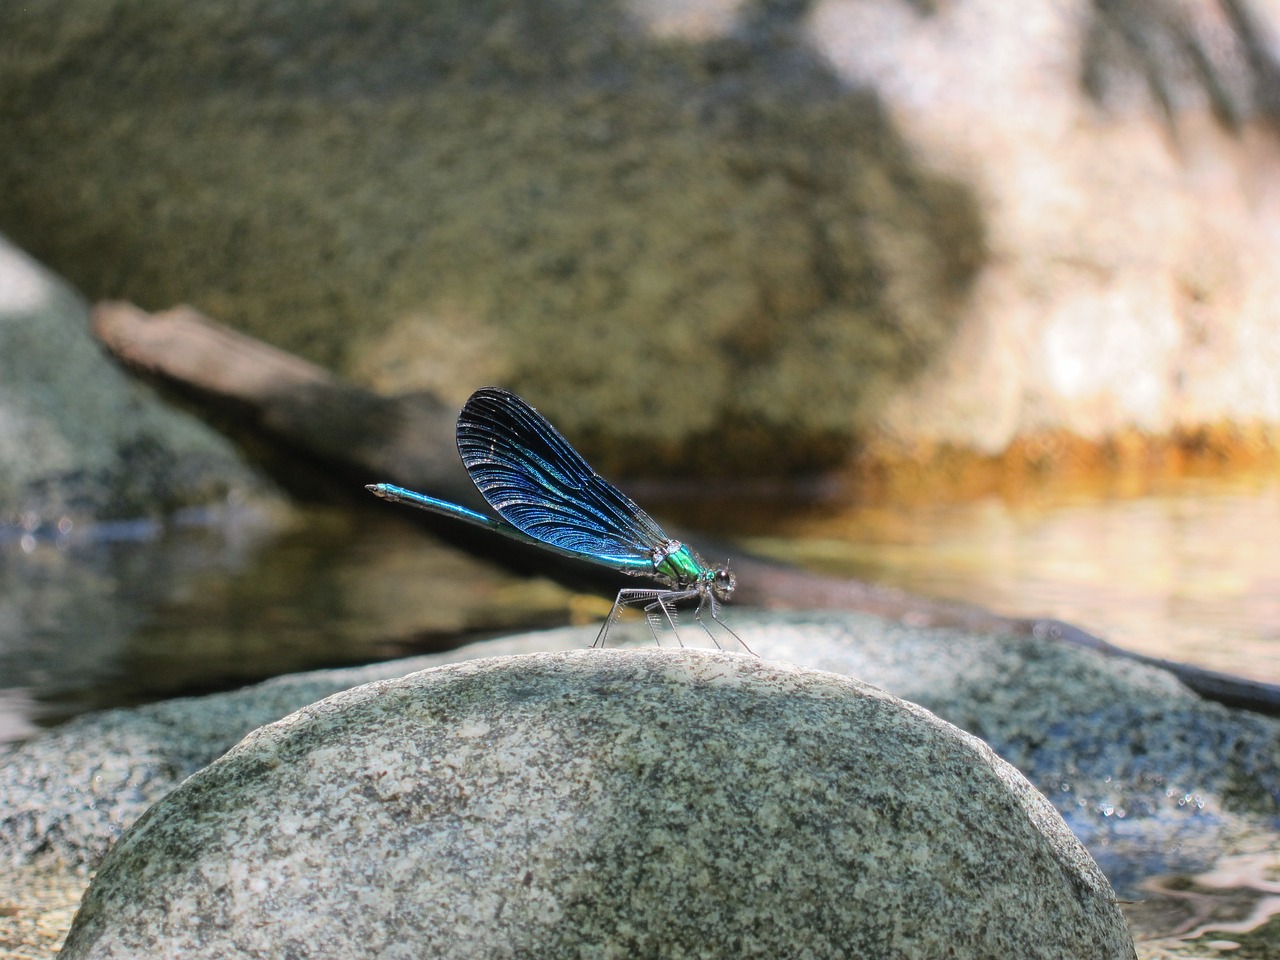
[[409, 440], [185, 346]]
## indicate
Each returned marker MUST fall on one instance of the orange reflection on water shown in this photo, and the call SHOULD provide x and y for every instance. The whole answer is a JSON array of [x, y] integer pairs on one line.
[[1189, 571]]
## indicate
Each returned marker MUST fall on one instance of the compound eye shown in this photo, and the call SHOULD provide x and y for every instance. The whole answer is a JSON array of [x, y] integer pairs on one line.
[[724, 580]]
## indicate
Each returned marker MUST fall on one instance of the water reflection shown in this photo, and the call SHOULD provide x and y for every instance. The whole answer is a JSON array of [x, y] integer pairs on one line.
[[118, 615], [1189, 571], [134, 612]]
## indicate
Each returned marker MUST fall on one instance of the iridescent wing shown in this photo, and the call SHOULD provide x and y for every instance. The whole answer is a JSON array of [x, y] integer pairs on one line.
[[540, 485]]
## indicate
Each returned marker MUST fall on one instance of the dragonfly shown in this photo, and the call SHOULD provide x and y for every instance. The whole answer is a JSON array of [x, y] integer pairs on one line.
[[546, 494]]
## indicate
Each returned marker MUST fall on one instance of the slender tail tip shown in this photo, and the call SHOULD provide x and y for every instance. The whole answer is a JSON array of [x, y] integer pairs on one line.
[[377, 489]]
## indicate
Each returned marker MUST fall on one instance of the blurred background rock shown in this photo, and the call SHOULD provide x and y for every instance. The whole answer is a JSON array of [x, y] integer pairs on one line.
[[718, 237]]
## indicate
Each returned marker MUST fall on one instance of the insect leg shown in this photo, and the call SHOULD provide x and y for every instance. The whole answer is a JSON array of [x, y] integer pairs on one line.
[[662, 601], [710, 601], [703, 600], [626, 597], [715, 615]]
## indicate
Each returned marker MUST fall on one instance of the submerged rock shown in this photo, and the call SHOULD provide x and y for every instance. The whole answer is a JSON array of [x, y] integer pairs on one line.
[[616, 803]]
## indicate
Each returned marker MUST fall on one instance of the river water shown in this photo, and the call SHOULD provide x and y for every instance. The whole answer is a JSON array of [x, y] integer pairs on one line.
[[134, 612], [1186, 570], [127, 613]]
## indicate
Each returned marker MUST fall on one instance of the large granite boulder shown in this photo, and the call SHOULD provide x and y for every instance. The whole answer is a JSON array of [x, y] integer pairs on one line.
[[960, 223], [604, 803], [1153, 779]]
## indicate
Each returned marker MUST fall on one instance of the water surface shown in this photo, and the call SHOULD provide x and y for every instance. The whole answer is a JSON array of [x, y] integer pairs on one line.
[[1187, 571], [127, 613]]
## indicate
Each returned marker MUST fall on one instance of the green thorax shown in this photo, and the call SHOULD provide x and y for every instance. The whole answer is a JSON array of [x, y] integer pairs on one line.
[[681, 564]]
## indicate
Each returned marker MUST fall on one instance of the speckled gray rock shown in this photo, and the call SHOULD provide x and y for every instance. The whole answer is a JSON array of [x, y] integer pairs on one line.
[[605, 804], [1149, 777]]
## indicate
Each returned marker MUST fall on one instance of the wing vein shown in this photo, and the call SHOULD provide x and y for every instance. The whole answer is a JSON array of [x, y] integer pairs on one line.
[[539, 484]]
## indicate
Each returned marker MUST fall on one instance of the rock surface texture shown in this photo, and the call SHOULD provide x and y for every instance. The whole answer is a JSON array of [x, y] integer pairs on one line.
[[958, 223], [609, 804]]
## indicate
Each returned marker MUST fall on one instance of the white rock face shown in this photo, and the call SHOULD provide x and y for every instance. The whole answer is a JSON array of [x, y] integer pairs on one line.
[[619, 803], [1131, 279]]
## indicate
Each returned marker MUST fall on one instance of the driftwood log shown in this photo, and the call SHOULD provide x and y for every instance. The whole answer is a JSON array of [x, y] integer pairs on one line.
[[295, 404], [409, 440]]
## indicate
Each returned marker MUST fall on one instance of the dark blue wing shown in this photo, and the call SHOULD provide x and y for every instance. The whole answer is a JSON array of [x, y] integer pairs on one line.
[[540, 485]]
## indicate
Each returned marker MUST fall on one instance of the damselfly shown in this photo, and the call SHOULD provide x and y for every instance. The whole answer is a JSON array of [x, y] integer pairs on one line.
[[545, 493]]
